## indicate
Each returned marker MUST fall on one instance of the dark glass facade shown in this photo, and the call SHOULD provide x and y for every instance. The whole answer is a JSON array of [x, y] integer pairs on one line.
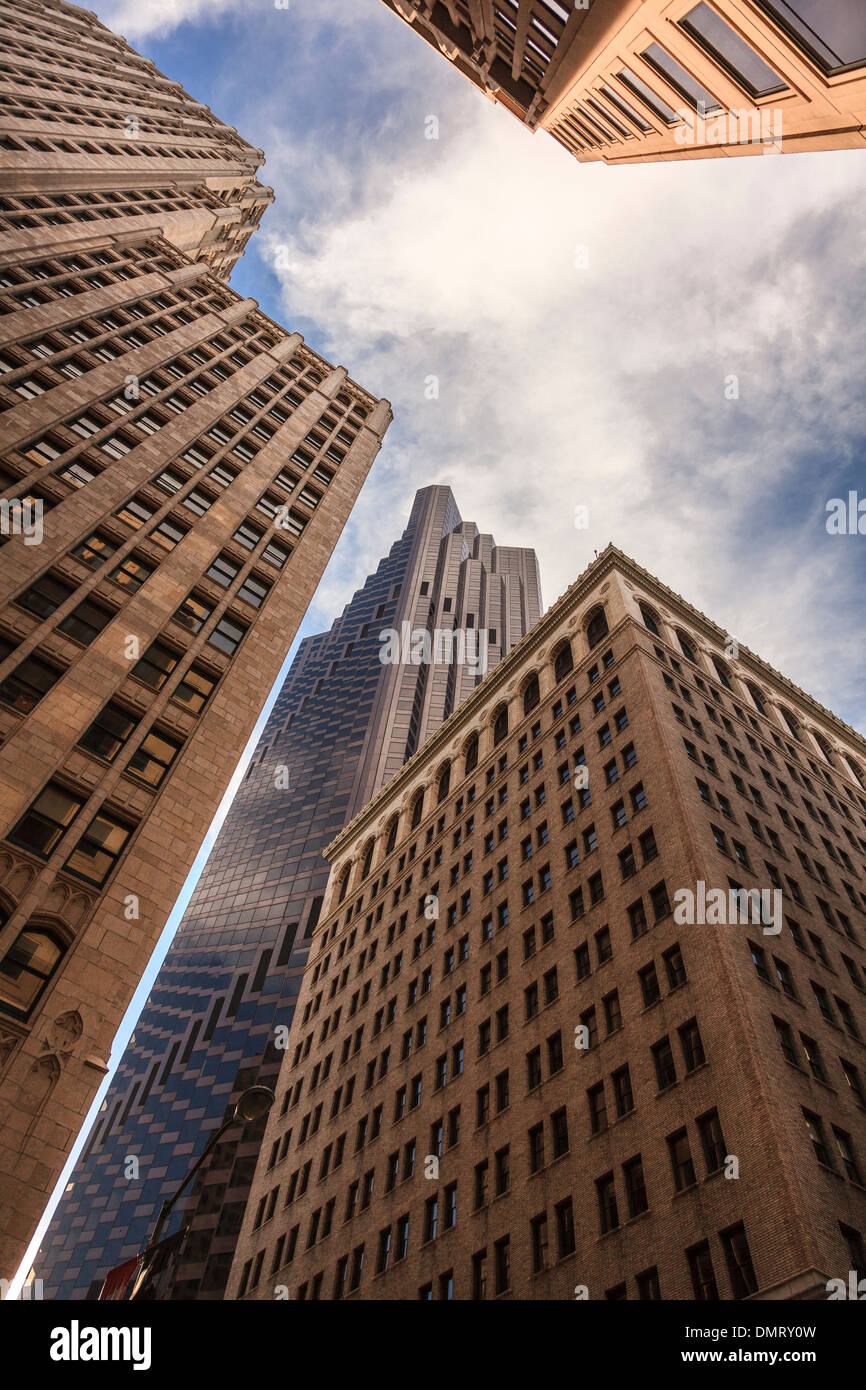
[[342, 725]]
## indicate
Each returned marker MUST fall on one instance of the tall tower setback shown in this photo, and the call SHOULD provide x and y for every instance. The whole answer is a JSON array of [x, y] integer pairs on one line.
[[343, 724], [175, 470]]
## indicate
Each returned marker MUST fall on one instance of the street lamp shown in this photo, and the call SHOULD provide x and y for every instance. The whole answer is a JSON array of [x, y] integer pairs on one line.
[[251, 1105]]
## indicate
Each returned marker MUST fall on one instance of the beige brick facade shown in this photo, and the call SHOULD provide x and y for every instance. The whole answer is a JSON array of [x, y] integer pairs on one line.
[[696, 1147]]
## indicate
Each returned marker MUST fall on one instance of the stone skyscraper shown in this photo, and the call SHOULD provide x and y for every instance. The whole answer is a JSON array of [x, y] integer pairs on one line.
[[630, 80], [175, 471], [92, 134], [343, 724], [550, 1042]]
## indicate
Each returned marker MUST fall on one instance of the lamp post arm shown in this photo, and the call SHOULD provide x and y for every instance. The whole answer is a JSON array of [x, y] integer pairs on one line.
[[168, 1203]]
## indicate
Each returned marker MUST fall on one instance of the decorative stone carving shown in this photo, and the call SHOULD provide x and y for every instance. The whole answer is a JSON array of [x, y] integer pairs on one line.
[[63, 1034], [8, 1043], [39, 1082], [18, 876]]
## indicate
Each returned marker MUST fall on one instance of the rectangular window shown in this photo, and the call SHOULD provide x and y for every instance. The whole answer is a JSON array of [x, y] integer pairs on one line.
[[607, 1205], [86, 621], [538, 1233], [651, 101], [167, 534], [703, 1275], [45, 596], [99, 848], [681, 1160], [194, 612], [24, 687], [95, 550], [223, 571], [635, 1186], [131, 573], [739, 1261], [108, 732], [153, 757], [50, 816], [833, 34], [194, 690], [227, 636], [157, 664], [681, 80]]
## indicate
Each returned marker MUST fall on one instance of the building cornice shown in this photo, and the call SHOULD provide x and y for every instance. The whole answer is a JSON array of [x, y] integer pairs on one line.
[[610, 559]]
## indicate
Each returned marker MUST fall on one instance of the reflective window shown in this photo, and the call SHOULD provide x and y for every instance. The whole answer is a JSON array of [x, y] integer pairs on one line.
[[99, 848], [24, 687], [832, 31], [26, 969], [654, 103], [719, 39], [50, 816], [682, 81]]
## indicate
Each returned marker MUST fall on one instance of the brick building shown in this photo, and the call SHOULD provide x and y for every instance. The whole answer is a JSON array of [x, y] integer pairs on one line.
[[625, 81], [175, 471], [516, 1069], [343, 723]]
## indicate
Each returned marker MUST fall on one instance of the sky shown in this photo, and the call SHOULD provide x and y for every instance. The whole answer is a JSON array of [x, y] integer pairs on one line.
[[554, 335], [559, 384]]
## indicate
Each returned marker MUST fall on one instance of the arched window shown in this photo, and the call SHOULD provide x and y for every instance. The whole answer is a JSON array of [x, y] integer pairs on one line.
[[500, 725], [856, 770], [791, 722], [649, 619], [722, 673], [444, 786], [26, 969], [367, 861], [471, 755], [823, 745], [757, 697], [391, 837], [596, 628], [417, 810], [562, 662], [531, 695], [344, 882], [686, 647]]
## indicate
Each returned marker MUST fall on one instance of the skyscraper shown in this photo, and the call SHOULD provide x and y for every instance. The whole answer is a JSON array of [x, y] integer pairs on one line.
[[176, 469], [343, 724], [630, 80], [92, 134], [585, 1009]]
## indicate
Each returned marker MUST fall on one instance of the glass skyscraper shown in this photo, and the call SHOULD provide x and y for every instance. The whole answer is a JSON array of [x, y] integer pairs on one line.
[[343, 725], [175, 470]]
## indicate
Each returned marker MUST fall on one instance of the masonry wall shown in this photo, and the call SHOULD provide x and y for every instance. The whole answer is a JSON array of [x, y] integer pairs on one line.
[[759, 1209], [190, 470], [89, 130]]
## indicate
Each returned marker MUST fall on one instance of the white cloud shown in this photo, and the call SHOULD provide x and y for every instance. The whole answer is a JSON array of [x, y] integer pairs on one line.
[[561, 386], [604, 386]]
